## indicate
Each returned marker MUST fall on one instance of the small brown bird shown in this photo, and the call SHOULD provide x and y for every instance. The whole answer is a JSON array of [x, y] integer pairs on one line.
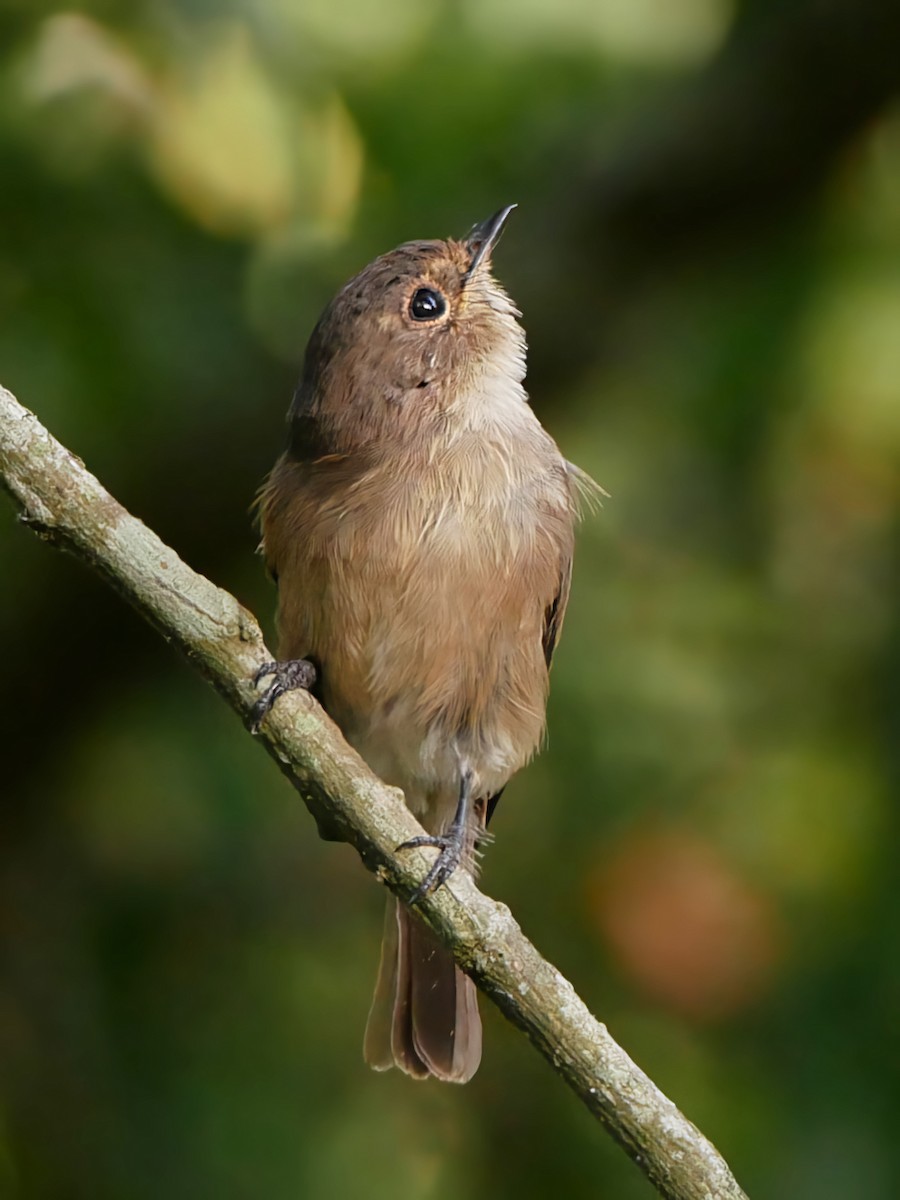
[[420, 528]]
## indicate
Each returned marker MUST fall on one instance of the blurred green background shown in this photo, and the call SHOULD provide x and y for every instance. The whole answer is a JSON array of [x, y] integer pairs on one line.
[[707, 254]]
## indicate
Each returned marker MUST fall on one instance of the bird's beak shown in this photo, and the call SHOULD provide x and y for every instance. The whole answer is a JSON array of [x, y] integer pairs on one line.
[[482, 239]]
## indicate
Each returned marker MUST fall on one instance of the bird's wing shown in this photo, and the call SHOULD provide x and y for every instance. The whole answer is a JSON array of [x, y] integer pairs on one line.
[[553, 620]]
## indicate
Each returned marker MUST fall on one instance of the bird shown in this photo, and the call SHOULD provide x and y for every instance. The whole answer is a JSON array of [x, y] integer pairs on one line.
[[419, 527]]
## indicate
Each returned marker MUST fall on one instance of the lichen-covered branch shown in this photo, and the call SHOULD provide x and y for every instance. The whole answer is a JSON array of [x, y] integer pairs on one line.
[[62, 502]]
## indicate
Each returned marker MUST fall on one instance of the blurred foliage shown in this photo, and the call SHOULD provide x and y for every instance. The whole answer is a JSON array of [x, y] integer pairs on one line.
[[707, 254]]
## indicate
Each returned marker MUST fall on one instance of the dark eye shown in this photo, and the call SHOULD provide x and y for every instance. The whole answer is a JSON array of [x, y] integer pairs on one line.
[[427, 305]]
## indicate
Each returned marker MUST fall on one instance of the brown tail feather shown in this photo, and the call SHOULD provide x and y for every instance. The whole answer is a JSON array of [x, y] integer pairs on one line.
[[424, 1016]]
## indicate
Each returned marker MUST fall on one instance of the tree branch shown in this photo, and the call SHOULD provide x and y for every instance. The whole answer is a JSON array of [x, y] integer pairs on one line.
[[63, 503]]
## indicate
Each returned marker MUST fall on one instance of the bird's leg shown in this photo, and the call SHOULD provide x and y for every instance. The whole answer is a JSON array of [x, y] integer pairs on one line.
[[452, 843], [287, 676]]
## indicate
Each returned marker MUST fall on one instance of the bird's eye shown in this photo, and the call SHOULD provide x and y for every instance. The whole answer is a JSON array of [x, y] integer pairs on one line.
[[427, 305]]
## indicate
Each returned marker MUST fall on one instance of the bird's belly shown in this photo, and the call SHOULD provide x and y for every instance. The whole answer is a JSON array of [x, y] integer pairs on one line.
[[444, 670], [427, 764], [424, 604]]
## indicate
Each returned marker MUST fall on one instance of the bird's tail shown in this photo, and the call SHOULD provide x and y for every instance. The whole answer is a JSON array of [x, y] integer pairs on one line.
[[424, 1016]]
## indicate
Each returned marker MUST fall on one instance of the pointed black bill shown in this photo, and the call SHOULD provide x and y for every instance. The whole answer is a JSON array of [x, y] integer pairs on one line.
[[484, 237]]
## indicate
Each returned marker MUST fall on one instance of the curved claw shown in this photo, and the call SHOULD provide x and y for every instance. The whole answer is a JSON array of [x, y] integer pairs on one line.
[[450, 846], [290, 675]]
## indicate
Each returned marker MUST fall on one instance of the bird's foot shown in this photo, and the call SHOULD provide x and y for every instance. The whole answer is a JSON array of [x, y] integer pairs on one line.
[[287, 676], [451, 845]]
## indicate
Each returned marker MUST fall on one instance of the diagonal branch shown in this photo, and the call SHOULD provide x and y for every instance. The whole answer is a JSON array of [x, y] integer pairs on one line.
[[63, 503]]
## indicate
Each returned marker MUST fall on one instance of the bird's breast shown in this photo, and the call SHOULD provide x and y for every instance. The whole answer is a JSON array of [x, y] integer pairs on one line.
[[424, 590]]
